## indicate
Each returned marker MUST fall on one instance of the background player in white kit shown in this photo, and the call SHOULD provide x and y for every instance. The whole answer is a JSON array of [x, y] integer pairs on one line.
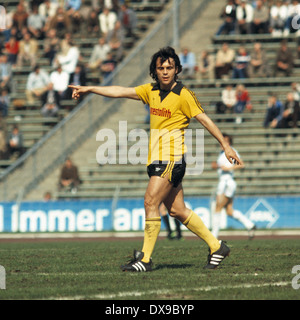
[[225, 193]]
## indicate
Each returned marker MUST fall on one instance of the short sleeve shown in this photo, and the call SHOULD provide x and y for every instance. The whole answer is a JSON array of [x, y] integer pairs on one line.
[[143, 92], [191, 106]]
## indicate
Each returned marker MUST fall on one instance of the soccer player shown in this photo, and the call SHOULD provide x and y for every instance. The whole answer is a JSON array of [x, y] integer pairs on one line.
[[172, 106], [226, 190]]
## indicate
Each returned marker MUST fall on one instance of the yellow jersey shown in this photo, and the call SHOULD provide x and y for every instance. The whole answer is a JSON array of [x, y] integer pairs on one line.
[[170, 114]]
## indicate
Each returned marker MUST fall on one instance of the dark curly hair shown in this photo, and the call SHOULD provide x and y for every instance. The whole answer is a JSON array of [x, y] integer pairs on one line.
[[164, 54]]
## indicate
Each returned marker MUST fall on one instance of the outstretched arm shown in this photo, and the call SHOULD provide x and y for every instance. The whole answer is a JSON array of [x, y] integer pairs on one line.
[[110, 91], [215, 132]]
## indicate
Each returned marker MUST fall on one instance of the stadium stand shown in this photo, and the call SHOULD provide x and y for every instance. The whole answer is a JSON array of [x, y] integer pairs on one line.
[[271, 155]]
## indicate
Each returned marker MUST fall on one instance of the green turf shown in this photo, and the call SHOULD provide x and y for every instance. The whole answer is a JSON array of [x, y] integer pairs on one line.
[[259, 269]]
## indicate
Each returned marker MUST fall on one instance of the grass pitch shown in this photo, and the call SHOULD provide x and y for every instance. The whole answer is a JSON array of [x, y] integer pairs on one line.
[[258, 269]]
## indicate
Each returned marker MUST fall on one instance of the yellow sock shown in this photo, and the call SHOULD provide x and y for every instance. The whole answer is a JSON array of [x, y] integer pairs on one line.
[[152, 228], [196, 225]]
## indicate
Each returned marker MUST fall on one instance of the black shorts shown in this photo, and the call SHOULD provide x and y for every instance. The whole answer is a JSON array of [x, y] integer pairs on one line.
[[176, 171]]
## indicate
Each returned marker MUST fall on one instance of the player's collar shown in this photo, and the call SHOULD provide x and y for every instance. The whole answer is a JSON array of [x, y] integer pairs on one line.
[[177, 89]]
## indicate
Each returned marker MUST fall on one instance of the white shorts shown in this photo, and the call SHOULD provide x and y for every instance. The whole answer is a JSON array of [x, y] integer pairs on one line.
[[226, 186]]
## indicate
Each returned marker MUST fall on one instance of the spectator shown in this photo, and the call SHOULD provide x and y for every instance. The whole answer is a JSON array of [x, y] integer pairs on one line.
[[188, 62], [112, 5], [206, 65], [8, 24], [36, 23], [107, 20], [4, 102], [293, 11], [47, 196], [50, 102], [77, 78], [274, 112], [47, 9], [242, 101], [37, 84], [69, 177], [20, 16], [278, 17], [99, 54], [229, 16], [240, 67], [260, 22], [128, 19], [60, 80], [291, 113], [61, 22], [228, 100], [69, 61], [258, 66], [93, 27], [15, 142], [5, 71], [284, 60], [244, 15], [224, 60], [72, 9], [51, 45], [12, 50], [108, 66], [28, 49], [295, 88], [115, 38]]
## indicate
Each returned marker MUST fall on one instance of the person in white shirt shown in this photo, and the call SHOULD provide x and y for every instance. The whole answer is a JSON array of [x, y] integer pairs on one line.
[[69, 61], [107, 20], [99, 54], [37, 84], [278, 17], [60, 80], [244, 16], [225, 193]]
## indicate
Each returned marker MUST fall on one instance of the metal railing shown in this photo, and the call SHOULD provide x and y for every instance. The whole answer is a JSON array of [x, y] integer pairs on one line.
[[51, 150]]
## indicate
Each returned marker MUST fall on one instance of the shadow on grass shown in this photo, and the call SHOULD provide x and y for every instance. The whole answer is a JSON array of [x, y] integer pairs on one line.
[[173, 266]]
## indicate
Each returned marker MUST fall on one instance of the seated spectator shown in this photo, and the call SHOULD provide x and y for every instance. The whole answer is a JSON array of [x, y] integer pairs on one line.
[[50, 102], [72, 8], [69, 177], [60, 22], [12, 50], [188, 61], [243, 101], [60, 81], [107, 20], [206, 65], [8, 21], [278, 17], [284, 60], [51, 45], [28, 49], [15, 145], [244, 15], [4, 102], [291, 113], [99, 54], [224, 60], [5, 71], [47, 9], [260, 22], [115, 39], [293, 12], [36, 23], [295, 88], [68, 61], [108, 66], [240, 66], [274, 112], [229, 16], [112, 5], [77, 78], [128, 19], [258, 66], [228, 100], [92, 22], [37, 84], [20, 16]]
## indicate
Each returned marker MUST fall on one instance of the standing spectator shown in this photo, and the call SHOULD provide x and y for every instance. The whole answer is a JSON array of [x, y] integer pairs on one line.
[[274, 112], [260, 22], [258, 66], [50, 102], [4, 102], [28, 49], [60, 80], [244, 15], [284, 60], [5, 71], [242, 101], [15, 142], [240, 67], [99, 54], [278, 17], [12, 50], [206, 65], [51, 45], [115, 38], [128, 19], [36, 23], [229, 16], [107, 20], [224, 60], [20, 16], [69, 177], [291, 113], [188, 61], [37, 84]]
